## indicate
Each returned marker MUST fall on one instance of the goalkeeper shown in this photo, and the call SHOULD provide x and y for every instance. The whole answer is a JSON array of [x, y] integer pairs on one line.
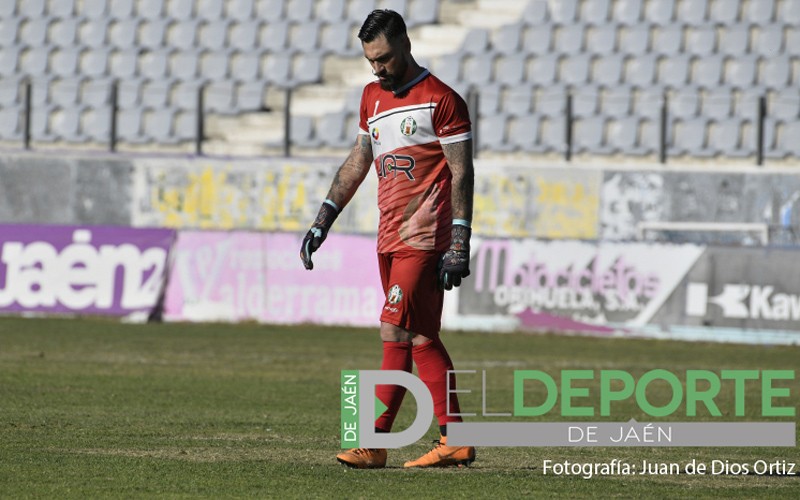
[[415, 132]]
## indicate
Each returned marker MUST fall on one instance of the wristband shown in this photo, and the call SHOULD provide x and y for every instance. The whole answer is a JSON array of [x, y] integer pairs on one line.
[[461, 222]]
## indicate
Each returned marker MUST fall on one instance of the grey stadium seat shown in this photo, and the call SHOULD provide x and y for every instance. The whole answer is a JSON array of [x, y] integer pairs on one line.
[[616, 101], [640, 70], [213, 34], [693, 12], [423, 11], [563, 11], [478, 69], [707, 71], [516, 101], [550, 101], [627, 11], [507, 39], [10, 91], [152, 33], [96, 92], [65, 124], [793, 42], [789, 12], [569, 39], [184, 95], [660, 11], [150, 9], [724, 11], [121, 9], [553, 134], [475, 42], [270, 10], [724, 136], [337, 38], [789, 139], [330, 11], [185, 125], [10, 121], [155, 94], [684, 103], [65, 91], [717, 103], [537, 39], [210, 9], [304, 36], [574, 69], [595, 11], [63, 32], [447, 68], [33, 61], [240, 10], [622, 134], [673, 71], [307, 68], [668, 39], [29, 8], [122, 33], [635, 39], [60, 8], [511, 69], [492, 133], [299, 10], [273, 36], [184, 64], [92, 33], [701, 40], [93, 9], [607, 70], [244, 34], [129, 125], [585, 101], [768, 41], [182, 35], [740, 71], [399, 6], [523, 133], [8, 32], [785, 104], [775, 72], [329, 129], [589, 134], [153, 64], [157, 124], [601, 39], [542, 69], [129, 93], [490, 97], [220, 96], [647, 102], [276, 68], [64, 61], [180, 10], [649, 137], [213, 65], [249, 96], [33, 32], [760, 12], [244, 66], [123, 63], [302, 132], [734, 39], [690, 136]]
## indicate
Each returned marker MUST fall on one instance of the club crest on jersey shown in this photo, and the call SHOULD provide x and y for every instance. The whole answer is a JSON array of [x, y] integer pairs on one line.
[[408, 126], [395, 294]]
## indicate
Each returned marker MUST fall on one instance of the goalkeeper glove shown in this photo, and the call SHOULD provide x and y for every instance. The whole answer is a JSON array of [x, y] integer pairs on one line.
[[454, 264], [318, 232]]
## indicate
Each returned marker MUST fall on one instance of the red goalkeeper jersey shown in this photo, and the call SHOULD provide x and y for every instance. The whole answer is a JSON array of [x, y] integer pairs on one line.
[[408, 128]]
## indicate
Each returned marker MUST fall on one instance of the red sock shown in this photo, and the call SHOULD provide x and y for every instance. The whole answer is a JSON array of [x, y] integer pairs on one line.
[[396, 356], [433, 362]]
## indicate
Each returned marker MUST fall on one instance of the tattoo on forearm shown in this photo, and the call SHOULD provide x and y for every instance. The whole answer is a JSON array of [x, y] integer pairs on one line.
[[459, 158], [352, 172]]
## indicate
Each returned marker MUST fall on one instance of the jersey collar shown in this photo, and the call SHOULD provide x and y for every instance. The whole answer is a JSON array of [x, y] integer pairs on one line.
[[413, 82]]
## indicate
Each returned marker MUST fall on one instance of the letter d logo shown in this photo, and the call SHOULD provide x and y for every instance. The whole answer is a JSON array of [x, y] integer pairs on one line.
[[365, 435]]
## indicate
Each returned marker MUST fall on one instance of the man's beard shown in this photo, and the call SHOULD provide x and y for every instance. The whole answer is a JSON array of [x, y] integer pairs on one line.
[[393, 80]]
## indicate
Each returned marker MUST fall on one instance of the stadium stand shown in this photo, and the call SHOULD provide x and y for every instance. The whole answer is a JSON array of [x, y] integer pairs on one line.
[[620, 59]]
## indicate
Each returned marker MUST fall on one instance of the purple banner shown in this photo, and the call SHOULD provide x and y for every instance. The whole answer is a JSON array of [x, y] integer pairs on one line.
[[72, 269]]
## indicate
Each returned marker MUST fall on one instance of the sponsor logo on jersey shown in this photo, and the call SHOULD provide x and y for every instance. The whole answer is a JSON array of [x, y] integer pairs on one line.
[[395, 294], [408, 126], [391, 163], [376, 134]]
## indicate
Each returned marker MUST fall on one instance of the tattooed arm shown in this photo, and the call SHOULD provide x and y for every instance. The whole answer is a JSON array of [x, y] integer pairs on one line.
[[459, 157], [352, 172]]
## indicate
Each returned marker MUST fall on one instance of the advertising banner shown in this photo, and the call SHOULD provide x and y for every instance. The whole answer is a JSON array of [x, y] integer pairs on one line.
[[94, 270], [235, 276]]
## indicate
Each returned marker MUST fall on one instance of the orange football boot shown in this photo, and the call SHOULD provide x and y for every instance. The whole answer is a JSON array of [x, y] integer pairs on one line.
[[443, 456], [363, 458]]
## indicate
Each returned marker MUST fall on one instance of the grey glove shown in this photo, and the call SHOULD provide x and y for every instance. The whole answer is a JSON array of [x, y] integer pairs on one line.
[[318, 232], [454, 264]]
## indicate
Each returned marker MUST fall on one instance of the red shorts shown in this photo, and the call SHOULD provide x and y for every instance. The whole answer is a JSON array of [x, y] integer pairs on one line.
[[413, 297]]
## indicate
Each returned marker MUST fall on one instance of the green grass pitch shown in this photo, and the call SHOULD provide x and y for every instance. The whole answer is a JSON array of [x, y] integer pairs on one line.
[[96, 409]]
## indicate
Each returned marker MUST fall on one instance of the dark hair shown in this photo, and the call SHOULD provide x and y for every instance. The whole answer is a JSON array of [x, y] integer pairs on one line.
[[382, 22]]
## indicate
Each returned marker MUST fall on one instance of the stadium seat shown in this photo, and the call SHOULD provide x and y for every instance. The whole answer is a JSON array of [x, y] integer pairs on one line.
[[8, 32], [270, 10], [180, 10], [607, 70], [635, 40], [153, 64], [647, 102], [121, 9], [59, 8], [33, 61], [210, 10], [244, 66], [537, 39], [692, 12], [182, 35], [553, 134], [330, 11], [684, 103], [701, 40], [304, 36], [523, 133], [219, 97], [184, 95], [273, 36], [150, 9], [490, 99], [564, 11], [510, 69], [789, 12], [746, 103], [33, 32], [660, 11], [423, 11], [9, 61], [542, 69], [478, 69], [152, 33], [240, 10], [775, 72], [640, 70], [129, 93], [793, 42], [507, 39], [707, 71], [447, 68], [550, 101], [627, 11], [760, 12], [649, 137], [299, 10], [622, 134], [724, 12], [574, 70], [302, 132], [92, 33], [589, 135], [492, 133], [601, 39], [40, 124], [64, 61], [185, 125], [155, 94], [616, 101], [717, 103], [668, 39], [129, 125], [740, 71], [65, 91], [306, 68], [249, 96], [276, 68], [184, 65], [357, 10], [673, 71], [475, 42], [31, 9], [595, 11], [10, 91], [123, 33], [399, 6], [65, 124], [10, 123], [569, 39], [585, 101], [768, 40], [516, 100], [212, 35], [330, 131], [213, 65], [123, 63], [96, 92], [785, 104], [789, 139], [724, 136], [337, 38], [244, 34], [63, 33], [157, 124]]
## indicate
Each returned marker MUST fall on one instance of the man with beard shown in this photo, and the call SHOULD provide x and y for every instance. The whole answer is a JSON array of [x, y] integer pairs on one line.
[[416, 132]]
